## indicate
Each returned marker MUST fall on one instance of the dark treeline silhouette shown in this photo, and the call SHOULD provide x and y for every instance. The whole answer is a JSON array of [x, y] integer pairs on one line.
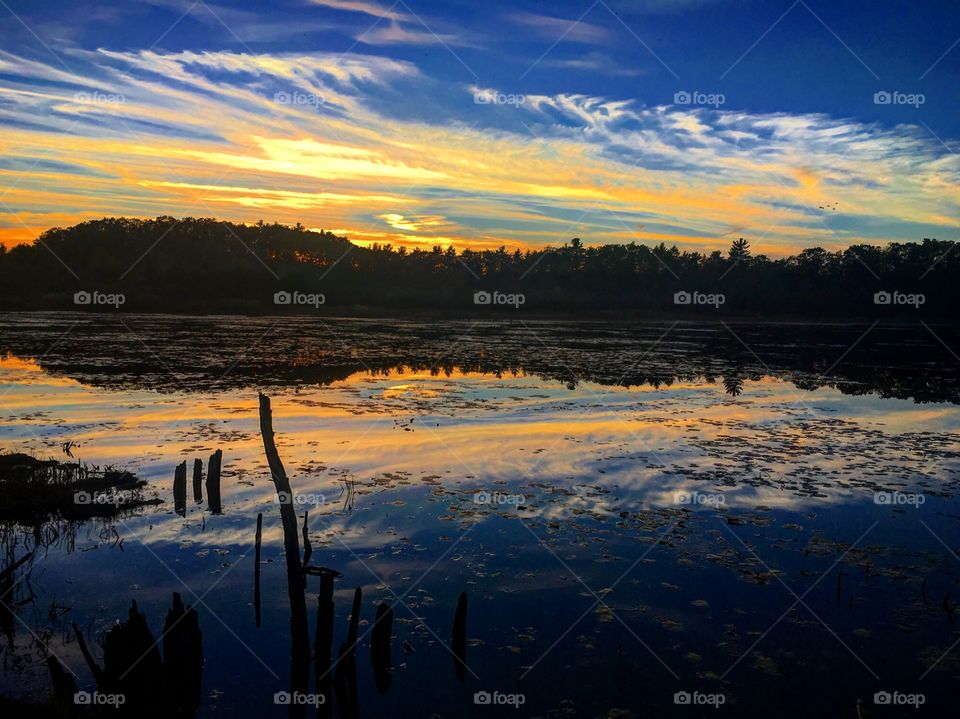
[[208, 265]]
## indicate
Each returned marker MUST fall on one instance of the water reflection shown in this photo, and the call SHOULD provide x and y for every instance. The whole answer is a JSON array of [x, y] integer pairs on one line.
[[610, 514], [211, 354]]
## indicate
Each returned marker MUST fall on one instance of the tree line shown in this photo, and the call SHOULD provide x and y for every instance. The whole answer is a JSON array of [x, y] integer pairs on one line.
[[208, 265]]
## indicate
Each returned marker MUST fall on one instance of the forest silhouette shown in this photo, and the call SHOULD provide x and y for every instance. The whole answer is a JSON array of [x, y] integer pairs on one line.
[[207, 265]]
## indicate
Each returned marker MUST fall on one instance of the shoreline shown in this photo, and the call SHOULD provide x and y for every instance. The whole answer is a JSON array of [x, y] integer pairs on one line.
[[508, 316]]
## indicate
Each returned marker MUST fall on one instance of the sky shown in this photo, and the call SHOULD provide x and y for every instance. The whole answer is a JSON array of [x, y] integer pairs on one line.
[[791, 123]]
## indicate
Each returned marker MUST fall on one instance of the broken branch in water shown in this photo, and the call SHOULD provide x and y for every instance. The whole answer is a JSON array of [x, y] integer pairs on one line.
[[87, 656], [296, 580]]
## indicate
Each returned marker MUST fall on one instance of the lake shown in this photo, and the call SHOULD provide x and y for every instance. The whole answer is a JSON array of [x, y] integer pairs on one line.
[[648, 519]]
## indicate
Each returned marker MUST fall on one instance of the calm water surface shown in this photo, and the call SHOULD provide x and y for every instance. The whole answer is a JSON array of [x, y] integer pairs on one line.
[[634, 510]]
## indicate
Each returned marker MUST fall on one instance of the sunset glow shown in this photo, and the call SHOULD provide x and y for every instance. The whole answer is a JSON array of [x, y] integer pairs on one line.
[[364, 133]]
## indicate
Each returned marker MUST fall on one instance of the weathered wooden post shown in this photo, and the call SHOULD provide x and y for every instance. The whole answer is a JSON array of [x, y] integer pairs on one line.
[[345, 684], [348, 705], [213, 482], [152, 686], [323, 641], [307, 549], [182, 658], [180, 489], [132, 665], [296, 580], [197, 480], [354, 620], [256, 568]]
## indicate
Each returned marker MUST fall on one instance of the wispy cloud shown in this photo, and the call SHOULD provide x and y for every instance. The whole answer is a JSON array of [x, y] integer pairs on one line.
[[418, 223], [318, 138], [594, 62], [552, 28], [395, 24], [390, 11], [396, 34]]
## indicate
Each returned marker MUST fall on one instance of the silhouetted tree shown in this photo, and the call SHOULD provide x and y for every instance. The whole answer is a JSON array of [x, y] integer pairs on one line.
[[739, 250]]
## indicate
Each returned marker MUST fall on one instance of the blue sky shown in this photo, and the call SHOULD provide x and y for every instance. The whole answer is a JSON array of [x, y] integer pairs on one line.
[[794, 123]]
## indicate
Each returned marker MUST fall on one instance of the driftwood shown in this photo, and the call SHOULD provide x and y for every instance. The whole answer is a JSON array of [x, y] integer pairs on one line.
[[380, 647], [256, 568], [198, 480], [213, 482], [180, 489], [296, 580], [459, 640]]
